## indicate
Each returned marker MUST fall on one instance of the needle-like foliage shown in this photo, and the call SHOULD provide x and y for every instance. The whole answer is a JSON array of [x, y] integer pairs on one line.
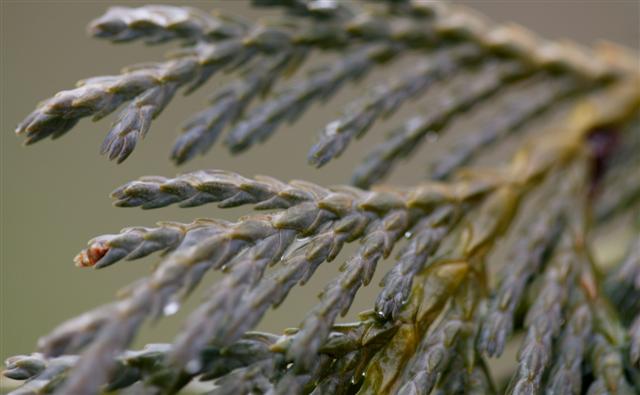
[[568, 114]]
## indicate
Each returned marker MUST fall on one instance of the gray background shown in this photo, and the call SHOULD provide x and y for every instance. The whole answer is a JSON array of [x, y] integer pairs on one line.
[[55, 194]]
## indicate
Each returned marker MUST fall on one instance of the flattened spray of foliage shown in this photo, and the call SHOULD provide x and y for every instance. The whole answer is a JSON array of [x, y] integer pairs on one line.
[[438, 319]]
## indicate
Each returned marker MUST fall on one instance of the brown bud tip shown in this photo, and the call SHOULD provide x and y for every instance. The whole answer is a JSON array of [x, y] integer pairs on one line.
[[90, 256]]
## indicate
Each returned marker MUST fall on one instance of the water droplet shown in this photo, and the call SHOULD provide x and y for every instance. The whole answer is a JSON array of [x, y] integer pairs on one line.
[[320, 4], [332, 128], [407, 235], [414, 123], [193, 366], [355, 379], [431, 137], [171, 308]]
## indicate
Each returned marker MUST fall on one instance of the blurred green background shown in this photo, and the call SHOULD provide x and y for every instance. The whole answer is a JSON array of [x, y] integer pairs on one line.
[[55, 193]]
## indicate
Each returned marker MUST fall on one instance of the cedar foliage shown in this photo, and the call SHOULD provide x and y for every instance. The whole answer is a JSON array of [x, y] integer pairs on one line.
[[438, 318]]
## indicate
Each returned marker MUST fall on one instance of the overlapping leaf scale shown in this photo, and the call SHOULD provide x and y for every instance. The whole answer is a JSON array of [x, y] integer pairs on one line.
[[527, 258], [289, 103], [148, 87], [543, 323], [160, 23]]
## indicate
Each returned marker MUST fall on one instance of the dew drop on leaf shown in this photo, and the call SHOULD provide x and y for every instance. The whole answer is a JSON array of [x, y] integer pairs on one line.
[[171, 308], [193, 366]]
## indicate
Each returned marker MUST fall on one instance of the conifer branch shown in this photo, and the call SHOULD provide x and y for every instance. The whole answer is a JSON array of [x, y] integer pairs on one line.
[[230, 102], [148, 365], [609, 338], [337, 296], [425, 238], [138, 242], [536, 98], [288, 104], [438, 313], [527, 259], [543, 322], [437, 349], [385, 99], [428, 298], [565, 376], [205, 186], [609, 370], [464, 374], [150, 87], [183, 269], [160, 23], [472, 87], [253, 351]]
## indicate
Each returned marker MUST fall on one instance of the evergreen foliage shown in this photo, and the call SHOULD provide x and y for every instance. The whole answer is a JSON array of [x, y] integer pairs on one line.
[[439, 317]]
